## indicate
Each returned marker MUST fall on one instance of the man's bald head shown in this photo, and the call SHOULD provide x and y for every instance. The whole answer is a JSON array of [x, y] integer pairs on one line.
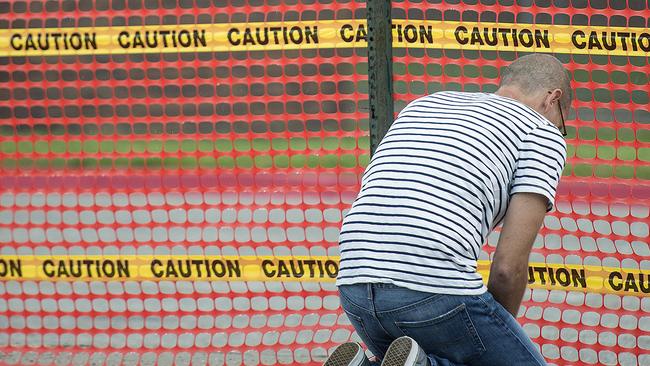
[[538, 73]]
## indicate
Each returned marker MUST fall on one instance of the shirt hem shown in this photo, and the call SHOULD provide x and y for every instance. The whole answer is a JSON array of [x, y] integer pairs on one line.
[[447, 291]]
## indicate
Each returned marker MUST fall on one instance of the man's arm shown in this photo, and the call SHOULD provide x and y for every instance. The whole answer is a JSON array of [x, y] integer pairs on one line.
[[509, 271]]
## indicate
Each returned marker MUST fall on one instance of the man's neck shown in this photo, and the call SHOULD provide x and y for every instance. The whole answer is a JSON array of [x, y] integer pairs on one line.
[[515, 93]]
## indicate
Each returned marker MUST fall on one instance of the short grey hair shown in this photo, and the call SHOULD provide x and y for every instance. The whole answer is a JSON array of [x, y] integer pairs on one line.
[[537, 71]]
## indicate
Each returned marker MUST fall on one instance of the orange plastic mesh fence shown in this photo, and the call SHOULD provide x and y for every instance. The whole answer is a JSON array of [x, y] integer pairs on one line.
[[173, 174]]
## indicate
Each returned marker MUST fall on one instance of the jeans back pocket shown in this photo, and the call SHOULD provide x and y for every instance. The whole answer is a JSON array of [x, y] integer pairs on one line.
[[450, 335]]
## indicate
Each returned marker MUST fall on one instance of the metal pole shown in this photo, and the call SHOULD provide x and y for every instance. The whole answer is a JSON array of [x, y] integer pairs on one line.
[[380, 69]]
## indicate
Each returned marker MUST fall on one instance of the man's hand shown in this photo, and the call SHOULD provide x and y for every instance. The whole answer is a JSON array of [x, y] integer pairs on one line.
[[509, 271]]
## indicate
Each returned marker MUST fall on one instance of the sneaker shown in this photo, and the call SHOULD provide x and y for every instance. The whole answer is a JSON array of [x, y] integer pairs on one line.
[[348, 354], [405, 351]]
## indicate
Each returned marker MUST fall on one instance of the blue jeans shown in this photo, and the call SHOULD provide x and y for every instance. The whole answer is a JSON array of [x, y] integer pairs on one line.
[[451, 329]]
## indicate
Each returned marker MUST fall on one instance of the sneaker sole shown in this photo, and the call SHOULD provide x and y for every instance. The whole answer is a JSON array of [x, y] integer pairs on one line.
[[398, 352], [344, 356]]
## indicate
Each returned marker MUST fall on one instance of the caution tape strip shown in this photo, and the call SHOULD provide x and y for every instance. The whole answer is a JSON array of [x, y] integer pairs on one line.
[[305, 269], [484, 36]]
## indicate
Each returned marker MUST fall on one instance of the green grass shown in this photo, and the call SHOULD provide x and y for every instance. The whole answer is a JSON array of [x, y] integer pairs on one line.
[[297, 144], [188, 146], [623, 153], [623, 171], [280, 161], [296, 152]]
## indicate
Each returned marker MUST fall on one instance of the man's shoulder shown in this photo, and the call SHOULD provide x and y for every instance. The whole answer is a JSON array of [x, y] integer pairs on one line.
[[446, 97], [456, 94], [548, 135]]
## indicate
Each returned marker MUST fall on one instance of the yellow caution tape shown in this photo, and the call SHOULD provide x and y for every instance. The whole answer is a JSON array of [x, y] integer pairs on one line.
[[308, 269], [615, 41]]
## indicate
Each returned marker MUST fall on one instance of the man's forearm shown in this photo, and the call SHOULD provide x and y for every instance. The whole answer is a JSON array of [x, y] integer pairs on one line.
[[508, 273], [508, 289]]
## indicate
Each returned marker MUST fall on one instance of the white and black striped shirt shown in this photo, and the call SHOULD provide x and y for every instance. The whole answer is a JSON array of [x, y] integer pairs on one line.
[[438, 183]]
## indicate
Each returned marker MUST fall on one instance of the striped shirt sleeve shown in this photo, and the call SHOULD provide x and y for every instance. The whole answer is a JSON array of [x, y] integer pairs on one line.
[[541, 160]]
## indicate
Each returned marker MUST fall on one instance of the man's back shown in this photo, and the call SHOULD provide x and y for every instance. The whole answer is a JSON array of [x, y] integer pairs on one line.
[[438, 183]]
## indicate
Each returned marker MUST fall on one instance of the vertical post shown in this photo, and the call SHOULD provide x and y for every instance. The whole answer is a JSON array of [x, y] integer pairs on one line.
[[380, 69]]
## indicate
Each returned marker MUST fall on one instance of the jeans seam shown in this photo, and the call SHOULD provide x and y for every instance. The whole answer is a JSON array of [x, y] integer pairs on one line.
[[476, 337], [374, 312], [368, 311], [363, 328], [486, 304], [504, 325]]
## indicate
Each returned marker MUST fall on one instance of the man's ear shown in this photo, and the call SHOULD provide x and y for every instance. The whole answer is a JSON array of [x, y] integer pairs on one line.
[[552, 97], [556, 96]]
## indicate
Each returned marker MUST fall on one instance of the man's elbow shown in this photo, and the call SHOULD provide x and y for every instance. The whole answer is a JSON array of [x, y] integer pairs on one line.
[[507, 275]]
